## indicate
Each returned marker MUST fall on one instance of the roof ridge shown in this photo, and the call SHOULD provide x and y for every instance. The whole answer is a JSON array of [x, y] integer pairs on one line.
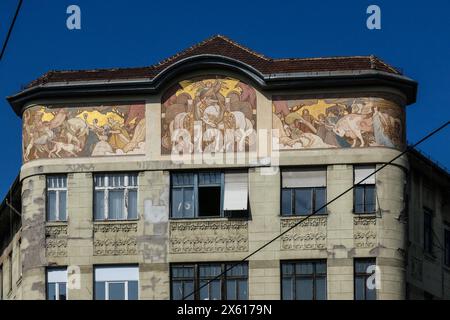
[[201, 43], [375, 58]]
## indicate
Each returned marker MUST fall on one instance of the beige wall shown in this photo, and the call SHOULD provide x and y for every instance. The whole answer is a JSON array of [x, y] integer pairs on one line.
[[153, 241]]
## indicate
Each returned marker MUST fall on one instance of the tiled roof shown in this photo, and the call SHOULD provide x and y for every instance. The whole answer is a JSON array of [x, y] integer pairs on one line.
[[222, 46]]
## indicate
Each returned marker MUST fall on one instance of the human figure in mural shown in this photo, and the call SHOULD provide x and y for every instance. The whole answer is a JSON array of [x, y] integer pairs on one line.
[[348, 123], [213, 114], [73, 131]]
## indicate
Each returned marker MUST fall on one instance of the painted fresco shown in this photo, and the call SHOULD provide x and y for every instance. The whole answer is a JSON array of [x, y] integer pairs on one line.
[[69, 131], [209, 114], [337, 123]]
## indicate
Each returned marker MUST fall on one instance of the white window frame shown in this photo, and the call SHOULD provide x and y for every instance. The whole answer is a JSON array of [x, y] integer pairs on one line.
[[57, 190], [117, 274], [59, 278], [106, 188]]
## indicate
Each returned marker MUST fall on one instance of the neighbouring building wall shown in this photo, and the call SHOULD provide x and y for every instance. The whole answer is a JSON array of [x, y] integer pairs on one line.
[[428, 276]]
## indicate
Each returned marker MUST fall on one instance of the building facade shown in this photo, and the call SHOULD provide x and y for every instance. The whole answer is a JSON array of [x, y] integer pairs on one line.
[[153, 183]]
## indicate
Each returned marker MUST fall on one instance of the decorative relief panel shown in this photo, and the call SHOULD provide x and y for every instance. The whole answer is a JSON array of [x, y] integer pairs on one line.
[[208, 236], [364, 232], [56, 240], [115, 239], [310, 234]]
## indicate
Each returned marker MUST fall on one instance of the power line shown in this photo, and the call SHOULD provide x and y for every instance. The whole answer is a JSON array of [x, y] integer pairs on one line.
[[409, 148], [10, 29]]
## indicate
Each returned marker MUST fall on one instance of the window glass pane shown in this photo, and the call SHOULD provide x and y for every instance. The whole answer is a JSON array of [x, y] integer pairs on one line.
[[210, 291], [188, 202], [287, 288], [287, 268], [320, 199], [359, 288], [209, 178], [99, 205], [303, 201], [116, 205], [304, 268], [51, 206], [188, 290], [183, 179], [321, 268], [62, 205], [177, 290], [177, 202], [359, 199], [231, 289], [133, 290], [132, 204], [321, 288], [243, 289], [99, 290], [286, 202], [51, 291], [116, 291], [304, 289], [62, 291], [370, 198], [371, 294]]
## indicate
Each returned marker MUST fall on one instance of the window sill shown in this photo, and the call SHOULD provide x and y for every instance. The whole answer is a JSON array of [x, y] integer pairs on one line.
[[56, 223], [365, 214], [203, 219], [115, 221]]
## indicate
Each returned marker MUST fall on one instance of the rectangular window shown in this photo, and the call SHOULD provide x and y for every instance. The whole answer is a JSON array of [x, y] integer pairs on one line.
[[57, 198], [115, 196], [208, 194], [10, 272], [303, 192], [1, 282], [56, 283], [428, 231], [189, 278], [447, 247], [116, 283], [304, 280], [362, 273], [364, 194]]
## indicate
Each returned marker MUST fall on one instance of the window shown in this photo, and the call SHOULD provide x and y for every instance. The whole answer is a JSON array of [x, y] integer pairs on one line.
[[362, 274], [304, 280], [10, 272], [447, 247], [187, 278], [117, 283], [303, 191], [428, 231], [364, 194], [1, 282], [57, 284], [208, 194], [56, 198], [115, 196]]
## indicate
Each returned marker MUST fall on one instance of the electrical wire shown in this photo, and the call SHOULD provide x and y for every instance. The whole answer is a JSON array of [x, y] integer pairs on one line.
[[409, 148], [8, 35]]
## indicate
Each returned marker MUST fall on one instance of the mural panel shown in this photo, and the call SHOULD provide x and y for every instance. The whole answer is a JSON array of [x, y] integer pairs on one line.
[[208, 114], [68, 131], [337, 122]]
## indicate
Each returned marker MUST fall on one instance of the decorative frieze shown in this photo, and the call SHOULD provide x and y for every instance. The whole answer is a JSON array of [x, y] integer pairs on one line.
[[310, 234], [208, 236], [56, 240], [364, 231], [114, 239]]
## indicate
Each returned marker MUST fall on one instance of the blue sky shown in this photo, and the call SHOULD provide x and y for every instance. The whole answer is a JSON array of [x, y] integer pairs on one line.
[[118, 33]]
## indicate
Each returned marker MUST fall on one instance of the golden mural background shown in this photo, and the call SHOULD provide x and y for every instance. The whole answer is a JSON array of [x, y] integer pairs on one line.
[[208, 114], [301, 123], [67, 131]]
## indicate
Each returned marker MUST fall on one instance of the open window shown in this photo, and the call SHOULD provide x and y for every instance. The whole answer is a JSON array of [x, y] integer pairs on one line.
[[209, 194]]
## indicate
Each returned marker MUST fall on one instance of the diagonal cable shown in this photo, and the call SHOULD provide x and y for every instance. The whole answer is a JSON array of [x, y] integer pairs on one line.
[[8, 35], [409, 148]]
